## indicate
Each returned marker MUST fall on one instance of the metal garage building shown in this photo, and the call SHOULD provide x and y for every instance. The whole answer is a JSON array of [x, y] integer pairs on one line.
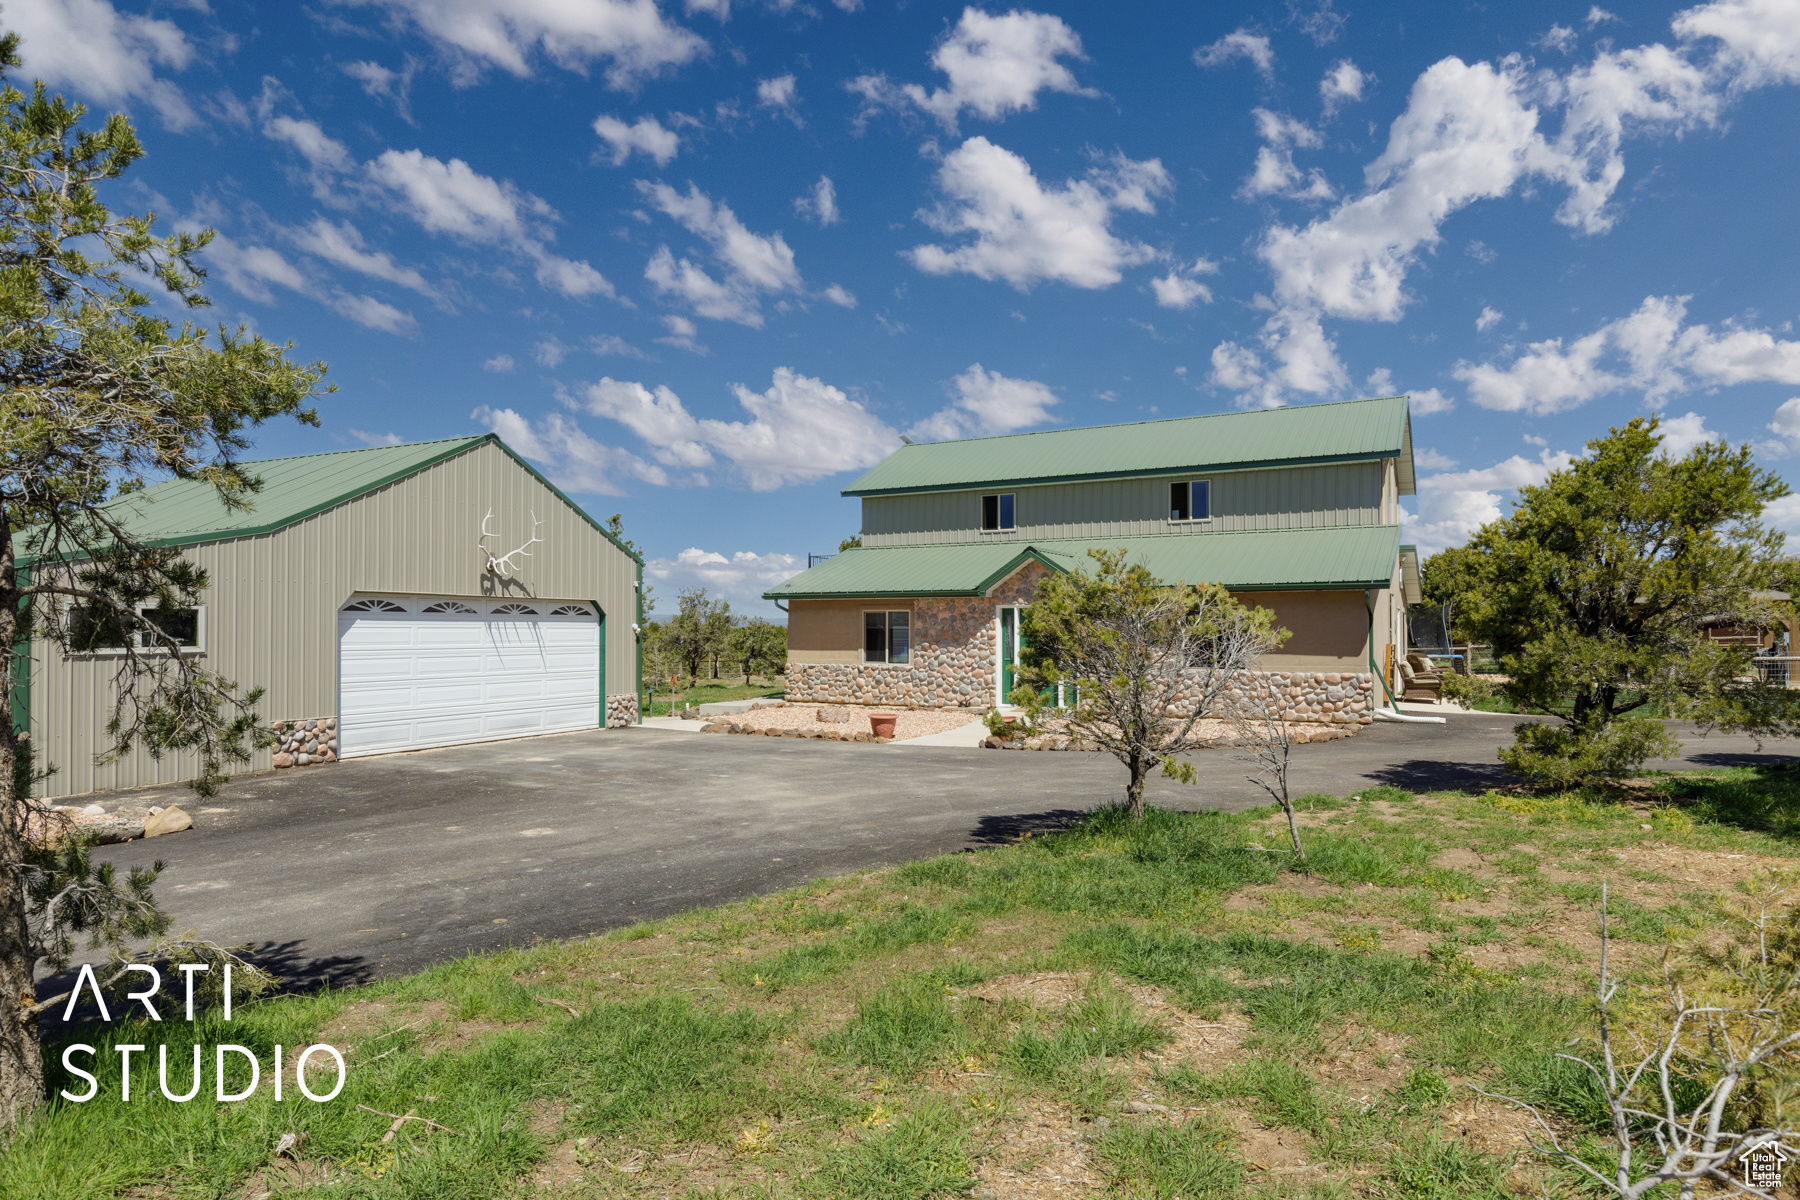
[[354, 588]]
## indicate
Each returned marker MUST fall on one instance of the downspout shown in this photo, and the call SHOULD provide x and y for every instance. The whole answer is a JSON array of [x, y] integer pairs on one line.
[[1392, 712]]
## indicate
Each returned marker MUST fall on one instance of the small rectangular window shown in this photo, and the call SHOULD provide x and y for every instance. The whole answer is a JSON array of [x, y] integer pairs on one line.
[[1201, 509], [95, 630], [1178, 501], [887, 637], [1190, 500], [181, 624], [997, 511]]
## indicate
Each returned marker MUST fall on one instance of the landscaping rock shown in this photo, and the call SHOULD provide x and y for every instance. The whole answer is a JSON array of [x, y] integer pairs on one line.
[[832, 716], [169, 820], [715, 727], [94, 810], [284, 760]]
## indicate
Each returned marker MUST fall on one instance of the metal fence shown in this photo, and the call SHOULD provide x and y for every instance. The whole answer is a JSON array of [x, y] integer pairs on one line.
[[1778, 669]]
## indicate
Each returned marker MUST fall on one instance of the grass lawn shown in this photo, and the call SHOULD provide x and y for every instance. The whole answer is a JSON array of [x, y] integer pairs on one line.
[[1161, 1011], [711, 691]]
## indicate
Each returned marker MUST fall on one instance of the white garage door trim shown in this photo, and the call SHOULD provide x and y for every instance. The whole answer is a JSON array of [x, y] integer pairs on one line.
[[416, 672]]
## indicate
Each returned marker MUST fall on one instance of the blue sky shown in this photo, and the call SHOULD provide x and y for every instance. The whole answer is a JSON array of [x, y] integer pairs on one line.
[[705, 262]]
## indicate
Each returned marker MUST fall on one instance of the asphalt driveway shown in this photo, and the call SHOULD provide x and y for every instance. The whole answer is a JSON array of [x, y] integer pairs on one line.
[[383, 865]]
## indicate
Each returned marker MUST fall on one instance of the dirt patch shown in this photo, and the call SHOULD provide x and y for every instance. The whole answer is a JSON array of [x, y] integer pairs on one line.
[[1711, 869], [1042, 1155]]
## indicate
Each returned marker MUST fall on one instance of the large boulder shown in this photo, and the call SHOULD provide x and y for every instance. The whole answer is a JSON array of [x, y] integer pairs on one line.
[[169, 820]]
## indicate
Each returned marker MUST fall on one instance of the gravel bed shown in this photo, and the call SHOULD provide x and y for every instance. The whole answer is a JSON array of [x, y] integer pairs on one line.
[[911, 723]]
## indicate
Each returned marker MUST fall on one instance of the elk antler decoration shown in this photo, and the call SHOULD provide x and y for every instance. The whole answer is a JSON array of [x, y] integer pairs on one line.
[[503, 564]]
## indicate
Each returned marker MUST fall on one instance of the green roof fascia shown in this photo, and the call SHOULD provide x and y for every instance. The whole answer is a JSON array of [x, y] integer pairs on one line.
[[1341, 431], [454, 447], [1029, 554]]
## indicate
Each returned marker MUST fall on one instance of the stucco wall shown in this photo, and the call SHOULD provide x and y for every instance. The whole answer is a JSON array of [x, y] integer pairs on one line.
[[272, 603]]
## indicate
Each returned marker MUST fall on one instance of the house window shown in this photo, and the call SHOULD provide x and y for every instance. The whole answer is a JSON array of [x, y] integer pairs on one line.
[[1190, 500], [887, 637], [99, 630], [997, 511]]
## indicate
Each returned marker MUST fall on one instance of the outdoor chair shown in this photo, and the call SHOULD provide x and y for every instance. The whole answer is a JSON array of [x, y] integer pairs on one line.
[[1418, 681]]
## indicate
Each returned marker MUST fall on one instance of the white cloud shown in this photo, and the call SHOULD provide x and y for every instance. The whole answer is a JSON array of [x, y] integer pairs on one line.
[[1025, 232], [1487, 319], [1301, 358], [612, 344], [1783, 514], [840, 296], [107, 56], [995, 65], [820, 204], [1598, 16], [630, 35], [326, 157], [1759, 40], [987, 403], [1180, 288], [1560, 38], [1431, 460], [779, 93], [549, 351], [375, 439], [342, 244], [1240, 43], [1342, 84], [371, 313], [253, 272], [1452, 505], [1682, 434], [381, 83], [800, 429], [1317, 20], [1648, 351], [1786, 428], [753, 263], [576, 461], [1429, 402], [682, 334], [500, 364], [1275, 173], [646, 136], [741, 577]]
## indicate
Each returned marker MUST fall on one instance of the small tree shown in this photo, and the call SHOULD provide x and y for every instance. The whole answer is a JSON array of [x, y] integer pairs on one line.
[[698, 631], [1595, 593], [1144, 662], [759, 644], [98, 396], [1259, 719]]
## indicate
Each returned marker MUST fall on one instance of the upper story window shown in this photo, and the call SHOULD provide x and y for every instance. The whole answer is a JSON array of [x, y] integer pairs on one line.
[[1190, 500], [997, 511]]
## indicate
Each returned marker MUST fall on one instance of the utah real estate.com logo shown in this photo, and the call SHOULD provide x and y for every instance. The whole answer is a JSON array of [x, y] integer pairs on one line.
[[241, 1054], [1763, 1166]]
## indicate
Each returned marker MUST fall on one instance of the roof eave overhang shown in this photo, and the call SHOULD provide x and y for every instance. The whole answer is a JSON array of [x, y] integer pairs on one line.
[[1098, 476]]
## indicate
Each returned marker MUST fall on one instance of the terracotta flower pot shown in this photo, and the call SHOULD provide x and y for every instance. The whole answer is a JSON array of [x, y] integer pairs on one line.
[[882, 724]]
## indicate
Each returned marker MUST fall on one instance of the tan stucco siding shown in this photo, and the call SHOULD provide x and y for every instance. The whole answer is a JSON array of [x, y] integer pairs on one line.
[[1313, 497], [831, 631], [272, 602], [1330, 629]]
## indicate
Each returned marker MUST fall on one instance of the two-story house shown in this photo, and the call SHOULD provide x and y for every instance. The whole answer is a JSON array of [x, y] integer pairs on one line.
[[1293, 509]]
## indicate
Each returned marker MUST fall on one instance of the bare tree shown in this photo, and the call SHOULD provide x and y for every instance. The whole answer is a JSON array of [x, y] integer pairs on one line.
[[1140, 662], [1677, 1090], [1259, 719]]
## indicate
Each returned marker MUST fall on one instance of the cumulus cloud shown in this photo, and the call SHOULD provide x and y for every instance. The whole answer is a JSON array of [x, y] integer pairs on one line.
[[995, 66], [1429, 402], [1487, 319], [683, 334], [375, 439], [1452, 505], [630, 36], [840, 295], [1786, 428], [741, 577], [1296, 355], [646, 136], [1430, 460], [383, 83], [779, 94], [1650, 351], [1560, 38], [576, 461], [1240, 43], [820, 204], [1342, 84], [987, 403], [800, 429], [752, 262], [500, 364], [342, 244], [1024, 232], [1757, 41], [1181, 288], [255, 271], [1275, 173], [1682, 434], [1316, 20], [105, 55]]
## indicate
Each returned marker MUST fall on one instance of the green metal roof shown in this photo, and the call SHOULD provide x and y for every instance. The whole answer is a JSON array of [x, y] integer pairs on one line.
[[1343, 431], [1341, 557], [182, 512]]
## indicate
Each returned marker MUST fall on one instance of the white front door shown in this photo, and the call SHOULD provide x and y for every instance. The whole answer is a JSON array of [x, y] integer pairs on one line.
[[419, 671]]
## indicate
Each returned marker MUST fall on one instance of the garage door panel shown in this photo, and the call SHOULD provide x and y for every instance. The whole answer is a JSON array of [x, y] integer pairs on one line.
[[409, 680]]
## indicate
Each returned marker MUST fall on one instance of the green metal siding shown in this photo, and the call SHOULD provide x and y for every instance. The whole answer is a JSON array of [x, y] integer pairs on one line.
[[1352, 430], [1356, 556], [1315, 497]]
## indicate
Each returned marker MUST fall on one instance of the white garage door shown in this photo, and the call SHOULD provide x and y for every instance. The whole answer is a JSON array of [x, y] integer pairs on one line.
[[434, 671]]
